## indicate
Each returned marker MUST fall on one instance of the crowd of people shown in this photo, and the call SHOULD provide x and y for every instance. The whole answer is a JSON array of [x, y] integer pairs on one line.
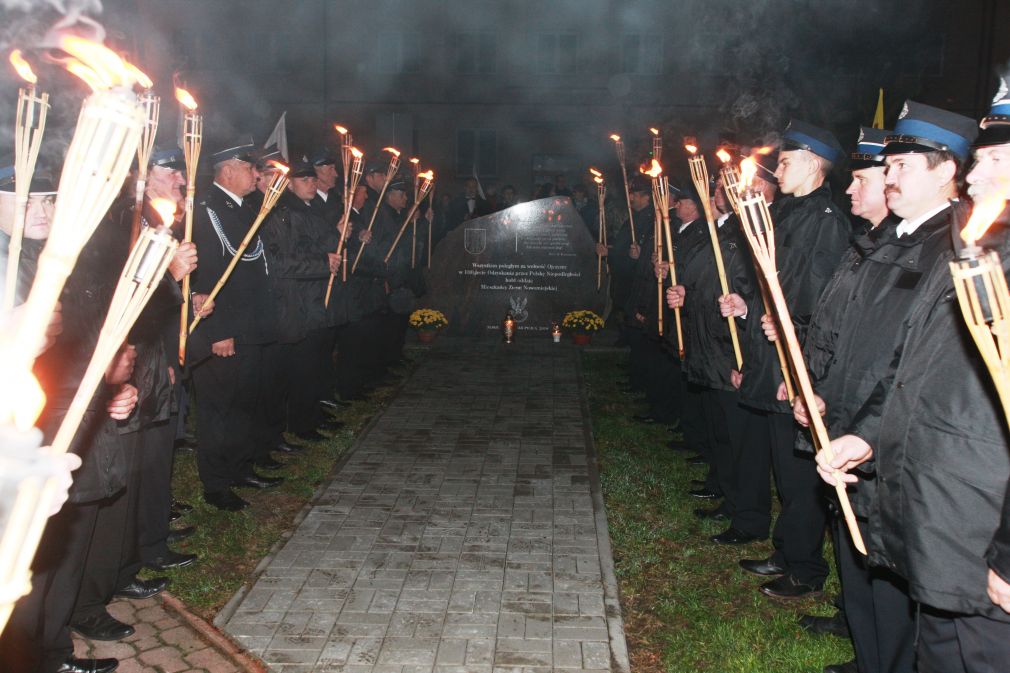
[[274, 358], [919, 437], [300, 331]]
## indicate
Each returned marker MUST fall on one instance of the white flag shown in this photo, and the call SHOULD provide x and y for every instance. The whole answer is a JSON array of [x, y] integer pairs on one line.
[[480, 187], [279, 137]]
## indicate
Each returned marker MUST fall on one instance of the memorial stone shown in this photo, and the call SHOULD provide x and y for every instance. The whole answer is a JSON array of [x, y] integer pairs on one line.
[[536, 259]]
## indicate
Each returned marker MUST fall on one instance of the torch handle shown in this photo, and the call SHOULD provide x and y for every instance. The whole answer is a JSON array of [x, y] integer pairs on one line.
[[186, 281], [371, 222], [819, 431], [138, 209], [627, 199], [673, 281], [14, 248], [234, 260], [399, 235]]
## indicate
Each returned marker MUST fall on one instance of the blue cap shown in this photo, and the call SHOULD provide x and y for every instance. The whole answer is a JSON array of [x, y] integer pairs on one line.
[[267, 155], [996, 125], [800, 135], [173, 158], [242, 150], [767, 164], [401, 183], [868, 148], [924, 128]]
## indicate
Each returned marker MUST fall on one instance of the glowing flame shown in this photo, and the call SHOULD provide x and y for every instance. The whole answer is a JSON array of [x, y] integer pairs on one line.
[[428, 175], [655, 170], [748, 168], [165, 209], [763, 151], [143, 80], [108, 70], [616, 138], [340, 129], [415, 161], [279, 166], [654, 131], [724, 156], [692, 149], [595, 172], [21, 397], [598, 180], [983, 215], [356, 152], [22, 67], [185, 99], [392, 150]]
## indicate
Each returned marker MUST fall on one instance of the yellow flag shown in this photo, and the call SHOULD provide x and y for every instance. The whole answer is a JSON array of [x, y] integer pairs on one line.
[[878, 116]]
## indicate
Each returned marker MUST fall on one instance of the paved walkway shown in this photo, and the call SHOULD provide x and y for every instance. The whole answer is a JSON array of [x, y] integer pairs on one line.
[[464, 534]]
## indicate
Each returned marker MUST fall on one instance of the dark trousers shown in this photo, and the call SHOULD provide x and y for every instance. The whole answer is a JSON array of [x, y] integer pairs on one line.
[[155, 456], [358, 355], [798, 536], [878, 609], [37, 636], [661, 388], [955, 643], [692, 418], [724, 419], [638, 361], [113, 546], [753, 512], [229, 407], [307, 372]]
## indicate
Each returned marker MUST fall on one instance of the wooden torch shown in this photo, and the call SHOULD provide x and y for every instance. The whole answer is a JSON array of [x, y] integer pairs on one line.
[[357, 158], [192, 141], [756, 222], [394, 166], [661, 197], [619, 149]]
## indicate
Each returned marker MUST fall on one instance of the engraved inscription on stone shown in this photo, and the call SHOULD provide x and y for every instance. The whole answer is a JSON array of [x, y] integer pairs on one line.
[[536, 259]]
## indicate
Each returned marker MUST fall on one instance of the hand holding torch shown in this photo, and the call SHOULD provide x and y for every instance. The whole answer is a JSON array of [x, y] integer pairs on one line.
[[278, 184], [699, 176], [356, 170], [427, 179], [394, 165], [757, 226]]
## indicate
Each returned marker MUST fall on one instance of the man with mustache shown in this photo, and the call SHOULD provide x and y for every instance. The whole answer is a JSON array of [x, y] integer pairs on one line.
[[931, 432]]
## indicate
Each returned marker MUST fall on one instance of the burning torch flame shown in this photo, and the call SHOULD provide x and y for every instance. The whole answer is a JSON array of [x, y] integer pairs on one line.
[[655, 170], [654, 131], [595, 172], [340, 129], [748, 168], [185, 99], [415, 160], [692, 149], [429, 175], [165, 209], [763, 151], [21, 66], [724, 156], [143, 80], [392, 150], [598, 180], [983, 215], [279, 166], [21, 398], [356, 152], [616, 138], [107, 70]]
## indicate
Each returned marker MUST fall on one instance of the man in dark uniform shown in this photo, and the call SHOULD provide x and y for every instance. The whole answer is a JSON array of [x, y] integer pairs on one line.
[[228, 349], [623, 252], [301, 248], [329, 196], [865, 292], [37, 638], [810, 236], [399, 295], [709, 356], [932, 430], [359, 354]]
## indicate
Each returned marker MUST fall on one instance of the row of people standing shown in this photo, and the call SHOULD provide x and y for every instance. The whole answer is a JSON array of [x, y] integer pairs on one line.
[[874, 308], [267, 364]]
